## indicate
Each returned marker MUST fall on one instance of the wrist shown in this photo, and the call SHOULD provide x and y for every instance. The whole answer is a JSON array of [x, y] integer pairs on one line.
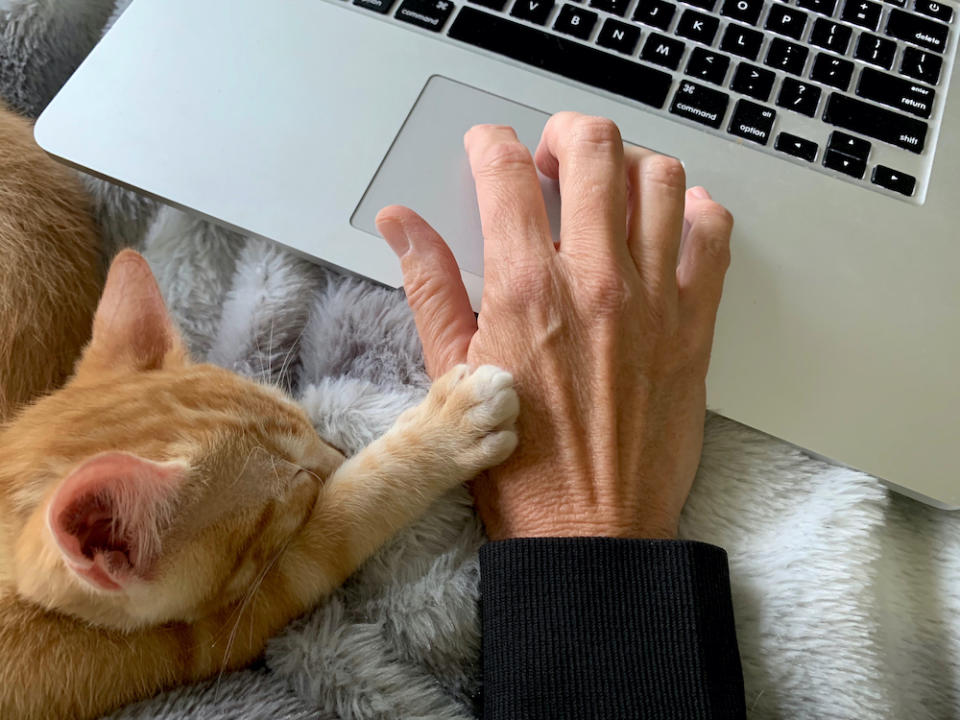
[[517, 505]]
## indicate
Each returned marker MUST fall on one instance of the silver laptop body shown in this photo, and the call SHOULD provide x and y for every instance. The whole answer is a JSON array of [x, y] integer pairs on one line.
[[840, 325]]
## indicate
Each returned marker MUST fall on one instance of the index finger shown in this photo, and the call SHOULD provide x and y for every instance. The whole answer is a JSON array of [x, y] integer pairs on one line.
[[512, 211]]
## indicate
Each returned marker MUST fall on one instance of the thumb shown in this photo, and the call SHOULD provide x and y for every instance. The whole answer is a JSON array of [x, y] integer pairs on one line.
[[434, 288]]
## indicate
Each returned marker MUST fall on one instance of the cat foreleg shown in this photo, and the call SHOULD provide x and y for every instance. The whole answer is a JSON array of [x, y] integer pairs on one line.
[[464, 426]]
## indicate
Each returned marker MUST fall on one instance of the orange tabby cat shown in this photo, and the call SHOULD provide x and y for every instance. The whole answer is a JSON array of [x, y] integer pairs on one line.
[[50, 276], [153, 505]]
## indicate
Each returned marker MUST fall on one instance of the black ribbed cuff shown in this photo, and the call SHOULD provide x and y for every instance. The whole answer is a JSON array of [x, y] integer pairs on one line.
[[608, 628]]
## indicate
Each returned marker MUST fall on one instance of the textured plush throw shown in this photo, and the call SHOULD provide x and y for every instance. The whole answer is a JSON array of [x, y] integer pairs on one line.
[[847, 596]]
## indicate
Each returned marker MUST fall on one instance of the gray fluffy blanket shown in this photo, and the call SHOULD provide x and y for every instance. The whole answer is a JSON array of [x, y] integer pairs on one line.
[[846, 595]]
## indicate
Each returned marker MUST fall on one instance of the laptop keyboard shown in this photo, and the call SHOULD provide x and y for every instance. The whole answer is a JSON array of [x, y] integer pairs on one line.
[[851, 88]]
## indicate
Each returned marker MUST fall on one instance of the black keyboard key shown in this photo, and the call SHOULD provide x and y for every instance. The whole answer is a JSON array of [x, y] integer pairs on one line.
[[700, 104], [562, 56], [846, 164], [849, 145], [753, 81], [704, 4], [894, 180], [921, 65], [799, 96], [898, 3], [533, 10], [787, 56], [617, 7], [429, 14], [380, 6], [697, 26], [752, 122], [708, 65], [917, 30], [875, 50], [655, 12], [747, 11], [618, 36], [784, 20], [796, 146], [824, 7], [830, 35], [492, 4], [872, 121], [662, 50], [832, 71], [863, 13], [573, 20], [896, 92], [742, 41], [935, 9]]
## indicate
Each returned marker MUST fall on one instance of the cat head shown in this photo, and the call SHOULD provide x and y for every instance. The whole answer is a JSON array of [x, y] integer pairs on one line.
[[151, 488]]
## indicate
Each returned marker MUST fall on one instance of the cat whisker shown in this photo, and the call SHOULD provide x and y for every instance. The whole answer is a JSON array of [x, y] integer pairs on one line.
[[312, 474], [290, 355], [269, 357], [261, 377], [248, 597]]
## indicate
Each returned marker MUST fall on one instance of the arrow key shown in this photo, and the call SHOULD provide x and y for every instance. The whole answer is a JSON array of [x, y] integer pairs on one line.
[[849, 145], [894, 180], [846, 164], [796, 146]]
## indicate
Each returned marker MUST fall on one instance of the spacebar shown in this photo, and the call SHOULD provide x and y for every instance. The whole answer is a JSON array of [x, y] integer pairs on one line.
[[562, 56]]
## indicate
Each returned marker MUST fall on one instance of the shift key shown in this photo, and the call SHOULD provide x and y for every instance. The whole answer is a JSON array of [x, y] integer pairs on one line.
[[700, 104], [875, 122]]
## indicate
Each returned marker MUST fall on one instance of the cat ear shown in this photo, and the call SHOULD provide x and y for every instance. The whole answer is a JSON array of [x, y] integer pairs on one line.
[[108, 514], [132, 328]]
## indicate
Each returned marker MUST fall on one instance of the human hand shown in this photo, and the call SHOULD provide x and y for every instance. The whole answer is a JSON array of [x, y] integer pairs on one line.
[[608, 334]]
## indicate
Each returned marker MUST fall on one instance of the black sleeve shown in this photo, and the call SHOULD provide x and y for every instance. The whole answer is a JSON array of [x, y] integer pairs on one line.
[[605, 628]]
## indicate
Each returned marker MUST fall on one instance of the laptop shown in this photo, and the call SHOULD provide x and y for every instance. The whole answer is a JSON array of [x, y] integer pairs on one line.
[[830, 128]]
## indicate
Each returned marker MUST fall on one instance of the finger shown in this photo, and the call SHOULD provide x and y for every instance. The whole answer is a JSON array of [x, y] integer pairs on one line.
[[586, 155], [705, 257], [431, 279], [512, 211], [657, 184]]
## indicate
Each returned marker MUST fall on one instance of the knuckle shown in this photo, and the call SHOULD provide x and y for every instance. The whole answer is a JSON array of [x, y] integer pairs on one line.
[[605, 295], [716, 224], [666, 171], [504, 157], [717, 216], [524, 286], [422, 289], [600, 132]]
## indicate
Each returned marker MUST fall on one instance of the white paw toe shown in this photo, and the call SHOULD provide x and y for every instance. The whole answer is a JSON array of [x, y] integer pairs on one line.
[[496, 401], [497, 447]]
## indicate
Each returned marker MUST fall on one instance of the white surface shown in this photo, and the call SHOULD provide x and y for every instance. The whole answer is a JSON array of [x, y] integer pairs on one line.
[[839, 327]]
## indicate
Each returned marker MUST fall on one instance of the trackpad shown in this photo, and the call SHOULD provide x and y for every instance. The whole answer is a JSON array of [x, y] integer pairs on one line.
[[426, 168]]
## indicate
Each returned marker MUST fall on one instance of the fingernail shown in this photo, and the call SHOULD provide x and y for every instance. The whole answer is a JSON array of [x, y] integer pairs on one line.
[[395, 236], [700, 193]]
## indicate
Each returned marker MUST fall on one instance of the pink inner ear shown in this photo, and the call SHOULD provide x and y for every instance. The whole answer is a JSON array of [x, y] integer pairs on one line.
[[108, 515]]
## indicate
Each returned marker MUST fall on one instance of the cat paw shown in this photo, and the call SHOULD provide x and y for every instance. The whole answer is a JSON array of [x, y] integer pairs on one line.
[[478, 411]]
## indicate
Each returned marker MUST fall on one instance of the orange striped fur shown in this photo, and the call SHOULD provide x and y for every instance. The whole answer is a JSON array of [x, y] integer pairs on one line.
[[152, 506], [50, 275]]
